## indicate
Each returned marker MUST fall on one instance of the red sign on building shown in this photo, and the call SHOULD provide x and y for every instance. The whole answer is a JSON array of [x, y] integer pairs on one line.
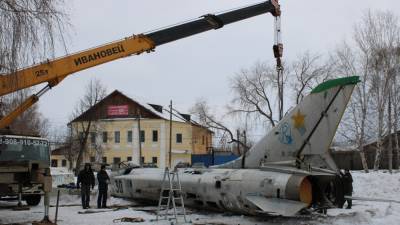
[[118, 110]]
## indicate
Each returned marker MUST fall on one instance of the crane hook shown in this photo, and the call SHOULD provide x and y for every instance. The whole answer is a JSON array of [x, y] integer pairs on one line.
[[278, 46]]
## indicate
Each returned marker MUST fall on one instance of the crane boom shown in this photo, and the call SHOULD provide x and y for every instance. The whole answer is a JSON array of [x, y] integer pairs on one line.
[[54, 71]]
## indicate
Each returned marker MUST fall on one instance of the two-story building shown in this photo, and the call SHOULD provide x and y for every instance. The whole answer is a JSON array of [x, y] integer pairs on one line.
[[119, 124]]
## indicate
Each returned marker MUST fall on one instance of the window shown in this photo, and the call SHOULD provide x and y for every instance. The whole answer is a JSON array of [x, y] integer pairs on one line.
[[179, 138], [64, 163], [93, 137], [155, 135], [129, 158], [142, 159], [54, 163], [116, 160], [202, 140], [129, 136], [105, 137], [142, 136], [154, 160], [92, 159], [104, 159], [116, 137]]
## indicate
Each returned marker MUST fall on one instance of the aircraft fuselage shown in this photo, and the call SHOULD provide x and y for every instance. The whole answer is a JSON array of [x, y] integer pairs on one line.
[[249, 191]]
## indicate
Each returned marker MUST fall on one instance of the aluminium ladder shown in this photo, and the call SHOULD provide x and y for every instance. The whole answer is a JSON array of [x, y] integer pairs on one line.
[[174, 190]]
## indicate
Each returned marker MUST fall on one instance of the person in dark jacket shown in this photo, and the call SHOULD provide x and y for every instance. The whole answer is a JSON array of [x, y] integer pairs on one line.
[[103, 179], [85, 181], [348, 187], [338, 190]]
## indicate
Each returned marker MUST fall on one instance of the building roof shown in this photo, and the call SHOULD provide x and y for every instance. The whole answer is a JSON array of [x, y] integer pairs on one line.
[[147, 110], [60, 151], [368, 143]]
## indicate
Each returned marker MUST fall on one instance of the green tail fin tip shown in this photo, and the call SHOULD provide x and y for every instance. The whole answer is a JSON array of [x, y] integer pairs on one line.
[[336, 82]]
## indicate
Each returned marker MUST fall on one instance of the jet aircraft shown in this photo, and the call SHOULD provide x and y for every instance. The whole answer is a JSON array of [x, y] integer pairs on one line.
[[290, 169]]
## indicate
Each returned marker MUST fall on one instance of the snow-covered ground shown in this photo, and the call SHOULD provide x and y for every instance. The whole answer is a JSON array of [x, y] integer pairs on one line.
[[372, 185], [382, 185]]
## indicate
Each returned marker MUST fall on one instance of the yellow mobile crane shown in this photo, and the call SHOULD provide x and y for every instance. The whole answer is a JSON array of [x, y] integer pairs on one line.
[[54, 71], [24, 160]]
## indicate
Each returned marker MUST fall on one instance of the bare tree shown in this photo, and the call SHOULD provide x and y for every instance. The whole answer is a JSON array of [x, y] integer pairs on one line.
[[380, 88], [395, 102], [372, 57], [258, 91], [396, 105], [205, 117], [349, 61], [96, 142], [71, 149], [307, 72], [81, 127], [28, 32], [31, 122], [378, 33], [254, 94], [393, 106]]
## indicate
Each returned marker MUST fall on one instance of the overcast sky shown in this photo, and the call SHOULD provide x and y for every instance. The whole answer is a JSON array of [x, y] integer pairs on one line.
[[199, 66]]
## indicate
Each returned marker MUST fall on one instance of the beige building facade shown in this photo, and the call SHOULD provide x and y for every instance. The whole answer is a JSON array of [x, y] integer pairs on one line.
[[124, 129]]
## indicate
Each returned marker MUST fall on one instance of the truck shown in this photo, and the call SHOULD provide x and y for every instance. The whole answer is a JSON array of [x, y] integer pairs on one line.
[[24, 168]]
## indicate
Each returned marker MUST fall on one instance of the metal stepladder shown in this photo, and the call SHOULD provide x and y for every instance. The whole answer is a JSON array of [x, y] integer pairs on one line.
[[171, 190]]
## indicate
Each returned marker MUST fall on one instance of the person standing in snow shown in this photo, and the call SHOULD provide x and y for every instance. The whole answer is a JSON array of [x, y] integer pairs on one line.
[[103, 179], [348, 186], [338, 190], [85, 180]]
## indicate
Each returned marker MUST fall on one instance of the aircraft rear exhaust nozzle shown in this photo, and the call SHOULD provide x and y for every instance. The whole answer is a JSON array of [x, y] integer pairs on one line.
[[299, 188]]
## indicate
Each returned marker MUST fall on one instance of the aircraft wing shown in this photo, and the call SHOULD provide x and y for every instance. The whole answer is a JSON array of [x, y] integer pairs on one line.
[[277, 206]]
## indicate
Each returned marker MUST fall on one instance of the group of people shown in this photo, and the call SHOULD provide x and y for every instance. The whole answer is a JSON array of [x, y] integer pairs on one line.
[[86, 180]]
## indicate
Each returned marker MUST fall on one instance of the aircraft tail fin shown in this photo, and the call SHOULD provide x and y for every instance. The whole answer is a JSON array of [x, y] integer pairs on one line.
[[306, 132]]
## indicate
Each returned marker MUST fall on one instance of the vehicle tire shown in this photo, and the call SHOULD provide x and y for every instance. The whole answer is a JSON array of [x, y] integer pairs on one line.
[[33, 200]]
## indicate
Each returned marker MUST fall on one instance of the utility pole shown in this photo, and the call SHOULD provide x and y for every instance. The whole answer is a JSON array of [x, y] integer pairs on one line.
[[238, 139], [244, 150], [140, 138], [170, 135]]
